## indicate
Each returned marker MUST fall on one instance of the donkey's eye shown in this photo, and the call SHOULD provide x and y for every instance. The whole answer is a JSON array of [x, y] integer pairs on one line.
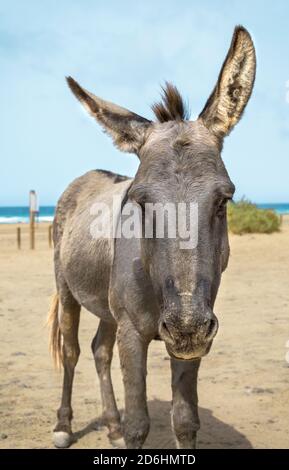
[[138, 195], [140, 202], [222, 207]]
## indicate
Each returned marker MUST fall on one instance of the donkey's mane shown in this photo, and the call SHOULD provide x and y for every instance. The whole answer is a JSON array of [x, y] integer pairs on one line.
[[172, 106]]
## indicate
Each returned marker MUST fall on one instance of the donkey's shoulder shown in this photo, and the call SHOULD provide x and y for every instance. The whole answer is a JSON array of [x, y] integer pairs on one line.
[[83, 191], [88, 186]]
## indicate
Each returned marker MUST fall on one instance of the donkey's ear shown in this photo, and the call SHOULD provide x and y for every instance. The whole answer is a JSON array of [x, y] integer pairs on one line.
[[227, 102], [127, 129]]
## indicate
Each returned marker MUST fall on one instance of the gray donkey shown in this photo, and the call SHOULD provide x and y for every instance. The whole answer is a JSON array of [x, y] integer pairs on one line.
[[145, 288]]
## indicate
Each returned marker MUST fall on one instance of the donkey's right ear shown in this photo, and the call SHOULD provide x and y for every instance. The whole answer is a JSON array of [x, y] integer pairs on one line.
[[128, 130]]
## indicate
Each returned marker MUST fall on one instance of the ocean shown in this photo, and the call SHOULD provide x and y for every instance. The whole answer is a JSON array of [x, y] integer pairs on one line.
[[18, 214], [281, 208]]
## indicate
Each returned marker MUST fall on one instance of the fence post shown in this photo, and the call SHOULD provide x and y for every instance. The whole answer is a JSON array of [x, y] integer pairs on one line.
[[33, 209], [32, 230], [19, 238], [50, 236]]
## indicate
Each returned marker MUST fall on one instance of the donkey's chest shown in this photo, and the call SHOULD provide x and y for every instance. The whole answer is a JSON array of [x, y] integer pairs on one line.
[[131, 290]]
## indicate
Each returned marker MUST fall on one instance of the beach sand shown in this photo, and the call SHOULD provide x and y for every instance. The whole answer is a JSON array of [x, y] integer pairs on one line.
[[244, 382]]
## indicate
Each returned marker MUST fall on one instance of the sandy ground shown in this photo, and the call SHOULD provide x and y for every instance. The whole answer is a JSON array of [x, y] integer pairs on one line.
[[244, 382]]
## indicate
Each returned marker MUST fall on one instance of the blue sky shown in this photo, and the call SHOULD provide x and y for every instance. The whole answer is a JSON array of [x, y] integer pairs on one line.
[[123, 51]]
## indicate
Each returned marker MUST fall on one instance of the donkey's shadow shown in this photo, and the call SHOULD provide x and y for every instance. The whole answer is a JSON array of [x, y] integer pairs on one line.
[[214, 433]]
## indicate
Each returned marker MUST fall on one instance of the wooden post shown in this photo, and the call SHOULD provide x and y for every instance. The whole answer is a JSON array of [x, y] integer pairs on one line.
[[32, 230], [19, 238], [33, 210], [50, 236]]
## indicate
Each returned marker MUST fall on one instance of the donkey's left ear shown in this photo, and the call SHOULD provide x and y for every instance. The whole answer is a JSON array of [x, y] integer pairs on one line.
[[128, 130], [227, 102]]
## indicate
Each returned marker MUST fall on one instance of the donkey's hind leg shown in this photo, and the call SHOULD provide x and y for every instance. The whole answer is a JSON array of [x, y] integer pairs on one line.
[[69, 313], [102, 349]]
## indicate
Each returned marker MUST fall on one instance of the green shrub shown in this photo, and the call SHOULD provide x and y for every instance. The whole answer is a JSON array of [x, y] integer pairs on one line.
[[245, 217]]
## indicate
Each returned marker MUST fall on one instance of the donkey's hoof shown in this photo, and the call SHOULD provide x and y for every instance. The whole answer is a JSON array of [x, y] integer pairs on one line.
[[187, 444], [116, 439], [62, 439], [118, 443]]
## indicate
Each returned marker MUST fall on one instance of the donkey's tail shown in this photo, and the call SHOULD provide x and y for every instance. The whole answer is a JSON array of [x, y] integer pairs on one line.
[[54, 334]]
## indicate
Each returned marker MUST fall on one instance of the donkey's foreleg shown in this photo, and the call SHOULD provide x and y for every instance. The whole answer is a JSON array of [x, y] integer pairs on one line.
[[102, 349], [184, 414], [68, 324], [133, 358]]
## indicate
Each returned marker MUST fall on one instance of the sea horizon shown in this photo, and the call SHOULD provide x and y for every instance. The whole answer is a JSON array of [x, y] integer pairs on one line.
[[20, 214]]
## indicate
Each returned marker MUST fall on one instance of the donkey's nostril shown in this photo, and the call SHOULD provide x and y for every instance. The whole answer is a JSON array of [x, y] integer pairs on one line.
[[212, 326], [164, 327], [165, 332]]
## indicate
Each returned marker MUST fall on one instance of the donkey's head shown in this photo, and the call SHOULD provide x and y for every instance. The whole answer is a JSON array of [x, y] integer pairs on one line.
[[180, 162]]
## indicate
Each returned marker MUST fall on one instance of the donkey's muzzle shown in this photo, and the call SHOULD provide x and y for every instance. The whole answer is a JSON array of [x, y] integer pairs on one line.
[[191, 339]]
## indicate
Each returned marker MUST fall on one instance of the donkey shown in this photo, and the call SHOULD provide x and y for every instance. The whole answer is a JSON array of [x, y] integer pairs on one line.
[[145, 288]]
